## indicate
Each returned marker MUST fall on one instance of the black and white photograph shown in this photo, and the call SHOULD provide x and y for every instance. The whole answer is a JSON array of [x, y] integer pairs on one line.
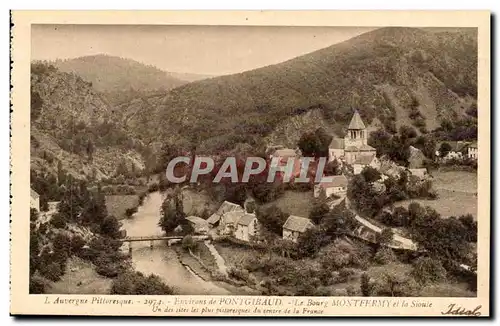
[[264, 162]]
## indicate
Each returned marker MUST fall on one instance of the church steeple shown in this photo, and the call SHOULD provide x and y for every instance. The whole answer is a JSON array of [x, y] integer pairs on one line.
[[356, 122], [356, 133]]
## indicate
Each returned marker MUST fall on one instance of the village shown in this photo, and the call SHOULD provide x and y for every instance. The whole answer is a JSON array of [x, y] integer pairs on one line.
[[353, 155]]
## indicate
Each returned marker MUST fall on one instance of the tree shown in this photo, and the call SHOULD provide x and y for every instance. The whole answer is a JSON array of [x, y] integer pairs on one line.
[[332, 168], [110, 227], [36, 105], [129, 283], [319, 210], [315, 144], [366, 285], [90, 150], [444, 149], [188, 243], [311, 241], [121, 169], [339, 221], [428, 270], [371, 174], [172, 212], [396, 285], [33, 215], [272, 218], [385, 237], [470, 226]]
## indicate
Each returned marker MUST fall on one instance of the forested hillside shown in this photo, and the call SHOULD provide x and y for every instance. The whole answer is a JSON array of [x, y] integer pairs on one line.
[[73, 129], [120, 80], [399, 75]]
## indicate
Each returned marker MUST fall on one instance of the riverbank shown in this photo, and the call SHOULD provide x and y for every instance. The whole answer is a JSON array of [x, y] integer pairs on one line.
[[203, 264]]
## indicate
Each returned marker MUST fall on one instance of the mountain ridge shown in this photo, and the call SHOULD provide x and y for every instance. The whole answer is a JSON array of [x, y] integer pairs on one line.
[[381, 73]]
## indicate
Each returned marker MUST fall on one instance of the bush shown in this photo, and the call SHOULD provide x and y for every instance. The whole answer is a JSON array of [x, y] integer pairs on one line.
[[188, 243], [137, 284], [346, 274], [52, 271], [58, 221], [37, 285], [239, 273], [384, 256], [428, 270]]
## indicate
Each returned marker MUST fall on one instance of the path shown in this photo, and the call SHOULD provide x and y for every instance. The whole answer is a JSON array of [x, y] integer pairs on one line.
[[221, 264]]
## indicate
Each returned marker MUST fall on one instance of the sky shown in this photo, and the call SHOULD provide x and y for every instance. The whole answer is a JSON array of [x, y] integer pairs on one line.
[[211, 50]]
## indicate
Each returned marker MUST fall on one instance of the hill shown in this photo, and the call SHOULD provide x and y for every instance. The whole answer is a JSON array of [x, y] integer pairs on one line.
[[73, 128], [118, 78], [399, 75]]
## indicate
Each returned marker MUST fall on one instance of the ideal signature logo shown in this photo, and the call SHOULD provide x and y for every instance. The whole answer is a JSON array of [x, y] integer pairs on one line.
[[454, 309]]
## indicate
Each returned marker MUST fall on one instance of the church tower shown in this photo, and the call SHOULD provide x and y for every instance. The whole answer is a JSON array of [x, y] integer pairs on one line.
[[356, 132]]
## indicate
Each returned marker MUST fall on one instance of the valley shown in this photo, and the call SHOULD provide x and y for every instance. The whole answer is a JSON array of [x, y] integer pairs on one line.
[[377, 107]]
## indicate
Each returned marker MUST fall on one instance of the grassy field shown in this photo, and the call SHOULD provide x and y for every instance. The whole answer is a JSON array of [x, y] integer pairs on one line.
[[80, 278], [295, 202], [196, 201], [118, 204], [457, 194]]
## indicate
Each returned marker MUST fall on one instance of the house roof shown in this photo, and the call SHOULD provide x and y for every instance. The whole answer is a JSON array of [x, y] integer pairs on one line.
[[356, 121], [233, 217], [285, 152], [246, 219], [364, 159], [224, 208], [34, 194], [337, 143], [337, 181], [473, 145], [366, 148], [297, 223], [197, 220]]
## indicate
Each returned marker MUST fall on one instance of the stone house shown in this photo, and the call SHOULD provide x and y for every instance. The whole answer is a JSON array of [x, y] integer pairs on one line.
[[199, 225], [247, 227], [338, 186], [364, 161], [225, 207], [295, 226], [472, 152], [229, 221]]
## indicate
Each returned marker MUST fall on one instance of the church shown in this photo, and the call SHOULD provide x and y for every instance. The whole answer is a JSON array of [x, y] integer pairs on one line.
[[354, 145]]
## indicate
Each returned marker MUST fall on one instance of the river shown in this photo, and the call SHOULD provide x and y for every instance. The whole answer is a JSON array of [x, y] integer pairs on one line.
[[162, 260]]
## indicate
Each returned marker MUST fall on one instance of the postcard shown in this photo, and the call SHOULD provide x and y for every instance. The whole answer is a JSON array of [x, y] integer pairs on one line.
[[250, 163]]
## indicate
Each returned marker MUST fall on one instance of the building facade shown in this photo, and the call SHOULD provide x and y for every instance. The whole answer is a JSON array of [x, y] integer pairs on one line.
[[354, 144]]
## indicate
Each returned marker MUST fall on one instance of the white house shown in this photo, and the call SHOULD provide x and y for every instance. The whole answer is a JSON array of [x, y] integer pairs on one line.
[[199, 225], [229, 221], [225, 207], [472, 151], [295, 226], [35, 200], [338, 186], [365, 160], [246, 227]]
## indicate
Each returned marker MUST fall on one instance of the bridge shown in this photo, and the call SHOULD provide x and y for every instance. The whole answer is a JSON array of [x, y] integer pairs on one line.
[[154, 238]]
